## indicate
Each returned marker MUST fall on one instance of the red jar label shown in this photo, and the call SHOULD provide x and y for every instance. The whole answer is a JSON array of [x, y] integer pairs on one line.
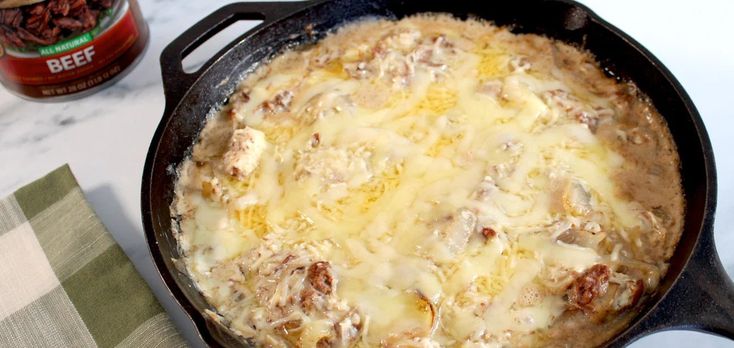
[[78, 63]]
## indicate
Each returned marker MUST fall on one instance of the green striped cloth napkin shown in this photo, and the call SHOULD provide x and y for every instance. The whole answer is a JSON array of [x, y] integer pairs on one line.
[[64, 282]]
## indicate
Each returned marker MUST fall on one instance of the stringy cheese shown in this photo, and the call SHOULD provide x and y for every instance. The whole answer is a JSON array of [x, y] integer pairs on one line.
[[380, 193]]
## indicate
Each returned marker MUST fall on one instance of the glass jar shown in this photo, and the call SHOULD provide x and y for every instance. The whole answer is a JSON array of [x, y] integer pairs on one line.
[[59, 50]]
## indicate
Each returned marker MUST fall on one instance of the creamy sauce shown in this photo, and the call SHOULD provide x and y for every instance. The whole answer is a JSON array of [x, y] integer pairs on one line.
[[430, 182]]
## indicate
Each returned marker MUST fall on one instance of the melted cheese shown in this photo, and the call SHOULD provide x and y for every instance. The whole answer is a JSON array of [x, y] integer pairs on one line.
[[387, 178]]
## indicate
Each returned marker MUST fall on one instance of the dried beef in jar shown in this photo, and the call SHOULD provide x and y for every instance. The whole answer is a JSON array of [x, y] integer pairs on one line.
[[56, 50]]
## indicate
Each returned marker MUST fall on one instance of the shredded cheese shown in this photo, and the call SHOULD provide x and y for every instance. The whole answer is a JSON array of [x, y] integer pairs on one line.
[[439, 202]]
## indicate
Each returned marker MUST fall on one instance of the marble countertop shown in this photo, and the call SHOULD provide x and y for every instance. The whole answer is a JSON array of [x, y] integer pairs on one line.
[[105, 137]]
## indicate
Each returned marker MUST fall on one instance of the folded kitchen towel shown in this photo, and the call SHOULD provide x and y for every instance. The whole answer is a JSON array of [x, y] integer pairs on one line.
[[64, 282]]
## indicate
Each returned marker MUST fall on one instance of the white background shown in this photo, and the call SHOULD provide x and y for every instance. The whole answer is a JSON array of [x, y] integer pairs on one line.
[[105, 137]]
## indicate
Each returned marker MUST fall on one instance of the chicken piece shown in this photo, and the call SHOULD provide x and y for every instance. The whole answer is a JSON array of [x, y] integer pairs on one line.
[[573, 198], [628, 294], [245, 149], [348, 330], [333, 166], [456, 230]]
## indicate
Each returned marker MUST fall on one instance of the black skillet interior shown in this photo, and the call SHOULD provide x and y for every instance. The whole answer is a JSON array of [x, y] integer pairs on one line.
[[696, 293]]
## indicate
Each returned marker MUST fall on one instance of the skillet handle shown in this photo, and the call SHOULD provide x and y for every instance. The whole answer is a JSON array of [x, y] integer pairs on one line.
[[701, 300], [175, 80]]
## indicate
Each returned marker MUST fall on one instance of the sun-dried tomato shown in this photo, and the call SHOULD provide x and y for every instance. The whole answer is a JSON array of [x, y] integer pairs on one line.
[[591, 284], [319, 275], [489, 233], [11, 17]]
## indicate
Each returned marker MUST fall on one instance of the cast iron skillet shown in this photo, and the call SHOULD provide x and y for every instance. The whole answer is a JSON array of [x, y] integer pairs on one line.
[[696, 294]]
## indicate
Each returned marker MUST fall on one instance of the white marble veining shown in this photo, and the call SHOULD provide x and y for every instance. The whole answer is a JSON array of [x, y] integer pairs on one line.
[[105, 137]]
